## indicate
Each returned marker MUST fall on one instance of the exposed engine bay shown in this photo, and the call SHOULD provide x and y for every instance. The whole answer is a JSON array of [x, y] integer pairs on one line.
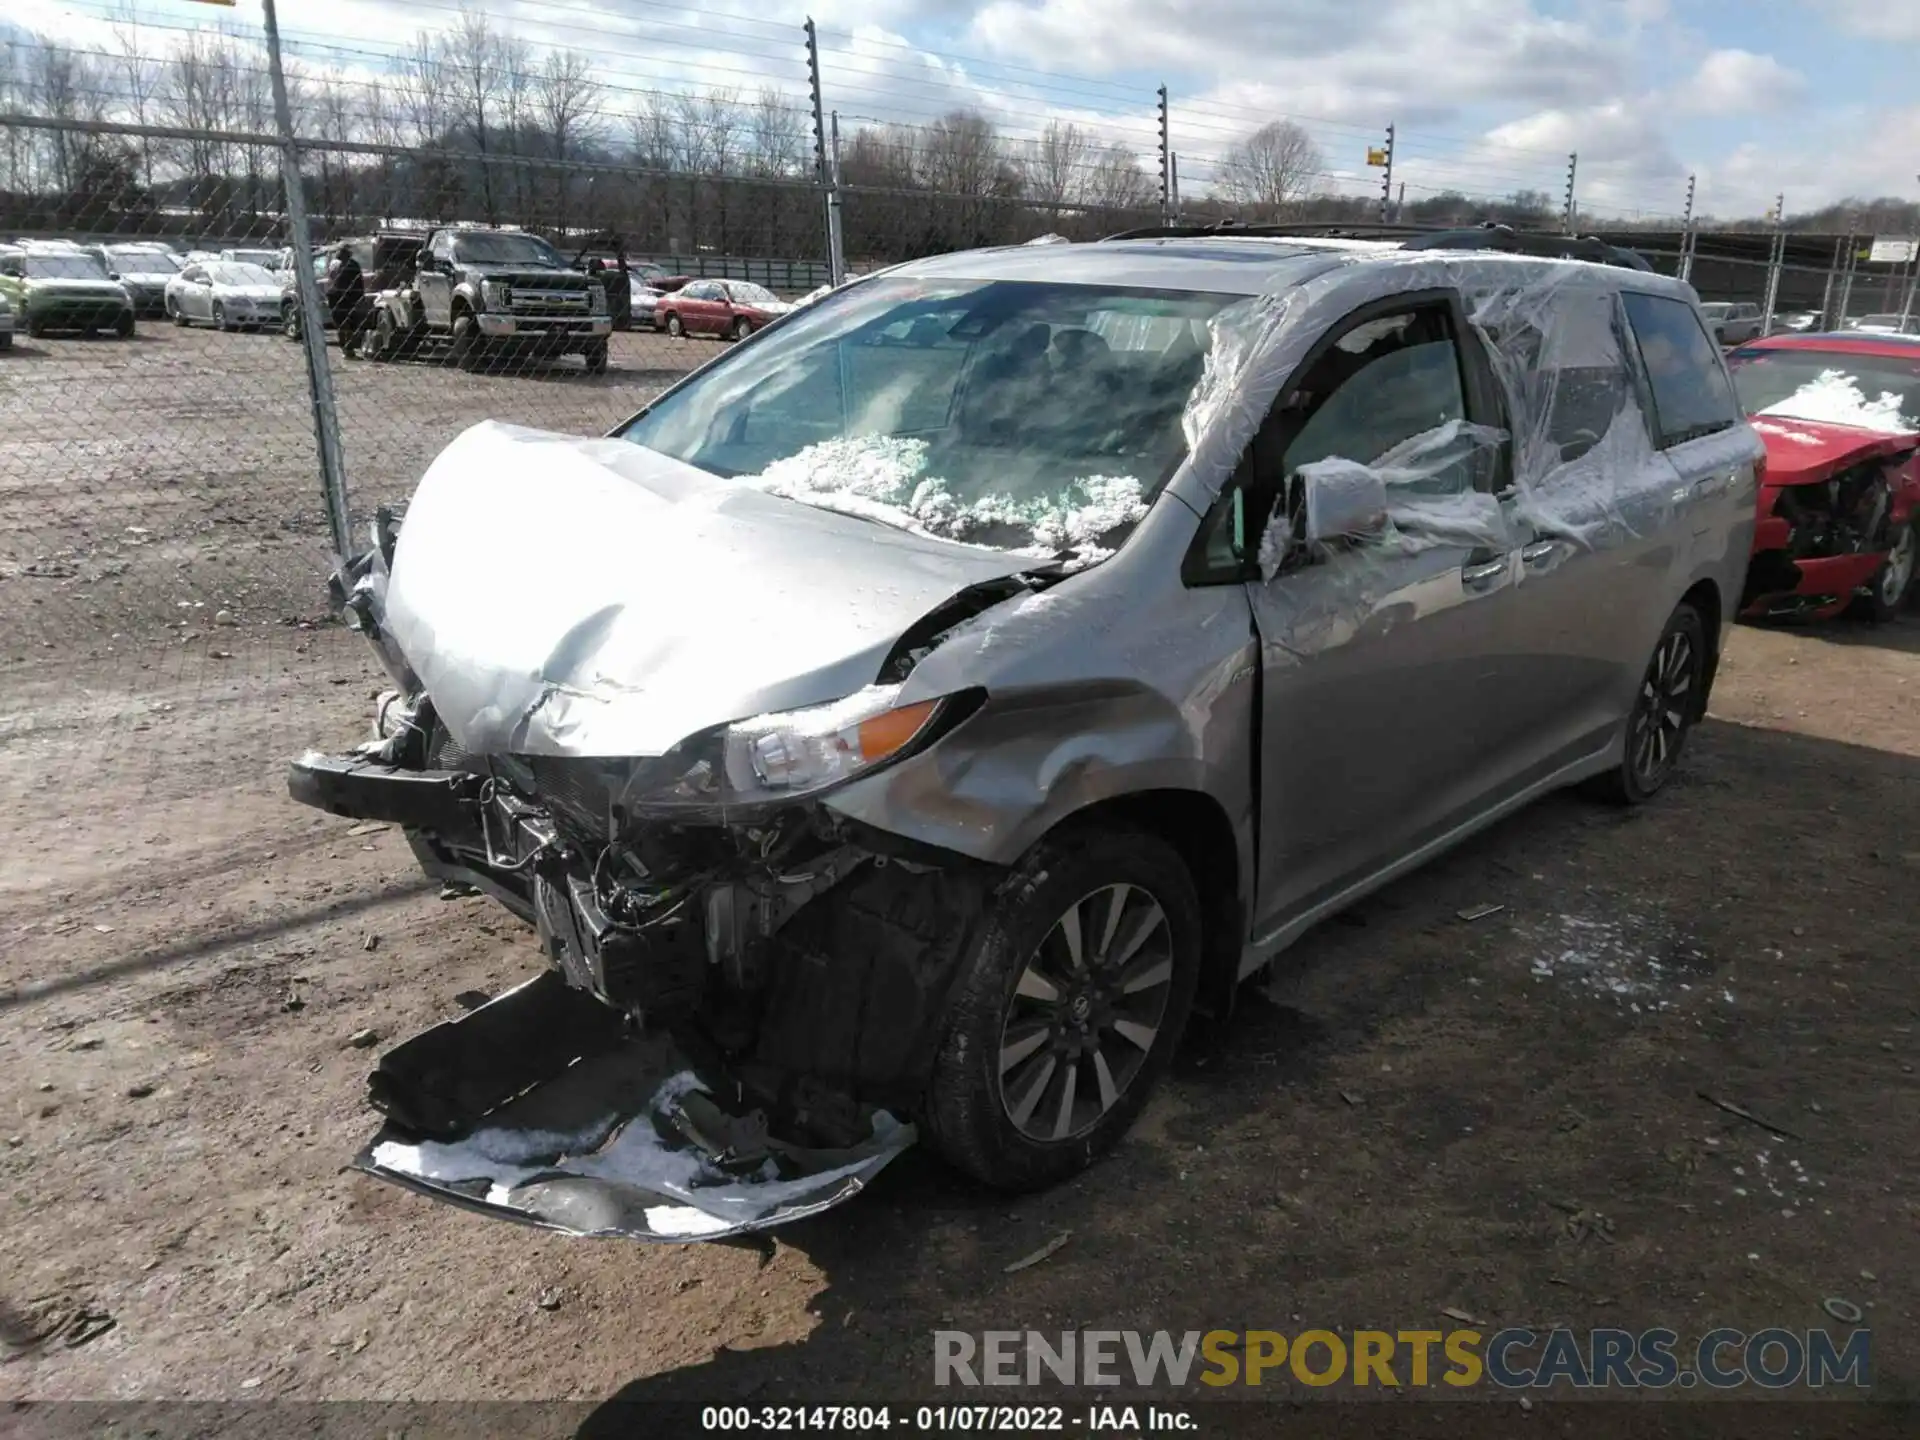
[[714, 1048], [1840, 516]]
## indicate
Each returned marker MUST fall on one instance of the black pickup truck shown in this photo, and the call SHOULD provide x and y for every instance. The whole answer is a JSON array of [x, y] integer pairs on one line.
[[484, 293]]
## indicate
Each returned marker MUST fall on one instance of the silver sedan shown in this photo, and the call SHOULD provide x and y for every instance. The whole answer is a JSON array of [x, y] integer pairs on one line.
[[226, 294]]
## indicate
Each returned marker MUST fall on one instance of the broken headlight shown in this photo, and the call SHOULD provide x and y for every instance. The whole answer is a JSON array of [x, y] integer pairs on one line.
[[774, 758], [799, 751]]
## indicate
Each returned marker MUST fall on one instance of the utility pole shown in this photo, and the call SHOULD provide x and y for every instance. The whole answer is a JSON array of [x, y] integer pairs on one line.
[[1166, 160], [836, 243], [836, 268], [1386, 180], [313, 319], [1174, 169], [1776, 256], [1573, 167], [1686, 235]]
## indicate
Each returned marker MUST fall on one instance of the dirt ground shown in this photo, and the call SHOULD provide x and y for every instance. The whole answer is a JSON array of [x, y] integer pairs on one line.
[[1418, 1113]]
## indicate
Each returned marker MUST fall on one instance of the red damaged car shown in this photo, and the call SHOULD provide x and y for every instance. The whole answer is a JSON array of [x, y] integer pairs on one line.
[[1840, 498]]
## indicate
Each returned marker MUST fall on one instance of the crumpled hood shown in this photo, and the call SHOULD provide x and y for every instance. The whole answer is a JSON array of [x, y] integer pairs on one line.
[[564, 596], [1800, 452]]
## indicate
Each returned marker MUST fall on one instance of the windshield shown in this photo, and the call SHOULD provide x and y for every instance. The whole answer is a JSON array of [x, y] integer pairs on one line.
[[1029, 417], [230, 273], [746, 294], [143, 262], [1873, 392], [492, 248], [64, 267]]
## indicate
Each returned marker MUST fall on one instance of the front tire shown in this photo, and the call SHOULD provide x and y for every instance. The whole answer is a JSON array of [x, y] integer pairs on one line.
[[219, 317], [290, 320], [596, 358], [123, 327], [1890, 587], [175, 314], [1070, 1003], [1671, 699], [466, 349]]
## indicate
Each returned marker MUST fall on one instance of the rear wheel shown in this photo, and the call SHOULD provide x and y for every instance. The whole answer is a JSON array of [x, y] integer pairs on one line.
[[742, 328], [1671, 698], [1889, 589], [674, 327], [219, 316], [1068, 1008]]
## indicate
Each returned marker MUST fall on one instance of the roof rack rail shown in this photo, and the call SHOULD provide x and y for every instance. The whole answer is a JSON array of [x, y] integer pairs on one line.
[[1489, 235]]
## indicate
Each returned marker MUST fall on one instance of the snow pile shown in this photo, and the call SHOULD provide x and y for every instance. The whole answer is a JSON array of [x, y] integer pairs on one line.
[[882, 477], [1835, 397]]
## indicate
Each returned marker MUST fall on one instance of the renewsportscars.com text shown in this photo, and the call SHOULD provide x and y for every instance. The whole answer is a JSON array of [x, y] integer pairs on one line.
[[1654, 1359]]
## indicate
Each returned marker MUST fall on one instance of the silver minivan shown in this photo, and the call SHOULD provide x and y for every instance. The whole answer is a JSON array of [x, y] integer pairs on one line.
[[899, 726]]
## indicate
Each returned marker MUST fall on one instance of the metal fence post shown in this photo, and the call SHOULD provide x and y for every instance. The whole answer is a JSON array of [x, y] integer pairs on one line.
[[313, 323], [823, 168]]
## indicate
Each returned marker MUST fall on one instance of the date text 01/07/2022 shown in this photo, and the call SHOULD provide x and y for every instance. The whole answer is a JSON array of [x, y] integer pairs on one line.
[[974, 1419]]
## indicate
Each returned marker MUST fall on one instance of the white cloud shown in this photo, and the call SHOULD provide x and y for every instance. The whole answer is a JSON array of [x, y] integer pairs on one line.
[[1875, 19], [1734, 82]]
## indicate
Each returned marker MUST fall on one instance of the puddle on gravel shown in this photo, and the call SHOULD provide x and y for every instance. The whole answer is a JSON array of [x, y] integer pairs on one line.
[[1643, 963]]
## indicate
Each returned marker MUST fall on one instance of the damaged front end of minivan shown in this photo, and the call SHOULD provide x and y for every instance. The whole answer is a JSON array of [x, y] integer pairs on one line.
[[744, 985]]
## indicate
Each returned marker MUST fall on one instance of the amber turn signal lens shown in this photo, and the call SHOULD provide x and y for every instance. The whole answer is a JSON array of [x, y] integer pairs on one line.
[[884, 734]]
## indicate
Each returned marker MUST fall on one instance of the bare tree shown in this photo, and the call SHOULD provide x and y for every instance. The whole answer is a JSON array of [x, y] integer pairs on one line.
[[517, 79], [1270, 168], [565, 101], [776, 137], [1115, 181], [1052, 168], [475, 68], [139, 79]]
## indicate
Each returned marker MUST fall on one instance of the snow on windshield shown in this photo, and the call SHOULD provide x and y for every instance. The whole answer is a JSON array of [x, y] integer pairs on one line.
[[882, 478], [1835, 397]]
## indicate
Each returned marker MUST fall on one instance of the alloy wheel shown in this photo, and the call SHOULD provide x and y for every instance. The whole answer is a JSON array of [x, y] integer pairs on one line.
[[1085, 1012], [1662, 712]]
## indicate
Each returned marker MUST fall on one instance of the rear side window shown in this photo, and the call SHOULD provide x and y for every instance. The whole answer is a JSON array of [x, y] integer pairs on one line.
[[1691, 394]]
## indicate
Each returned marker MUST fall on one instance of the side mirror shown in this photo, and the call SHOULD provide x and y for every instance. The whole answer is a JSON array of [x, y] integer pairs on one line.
[[1338, 500]]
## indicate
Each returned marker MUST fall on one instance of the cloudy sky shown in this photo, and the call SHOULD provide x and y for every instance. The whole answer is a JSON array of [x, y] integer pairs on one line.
[[1815, 98]]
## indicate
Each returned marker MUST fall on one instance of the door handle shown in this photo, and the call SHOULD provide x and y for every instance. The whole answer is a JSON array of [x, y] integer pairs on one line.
[[1540, 552], [1712, 484], [1484, 574]]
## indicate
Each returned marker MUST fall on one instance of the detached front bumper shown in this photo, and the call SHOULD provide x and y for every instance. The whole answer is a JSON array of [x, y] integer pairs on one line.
[[551, 1108]]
